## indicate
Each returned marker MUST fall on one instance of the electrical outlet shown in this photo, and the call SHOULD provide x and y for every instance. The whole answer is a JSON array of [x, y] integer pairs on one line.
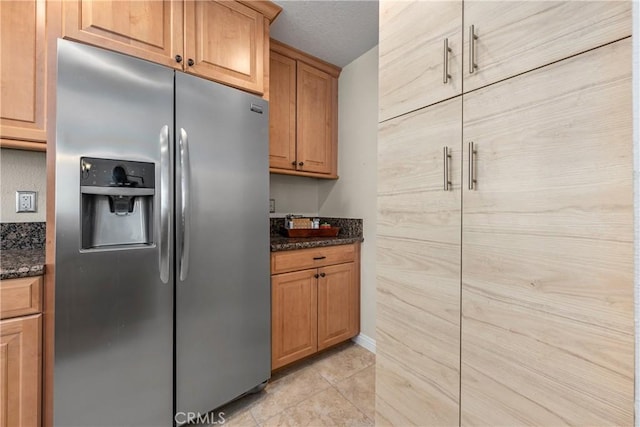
[[26, 201], [272, 205]]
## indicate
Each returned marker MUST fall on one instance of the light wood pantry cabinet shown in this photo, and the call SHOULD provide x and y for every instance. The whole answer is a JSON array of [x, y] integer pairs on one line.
[[219, 40], [427, 55], [23, 26], [411, 77], [547, 254], [537, 329], [418, 262], [303, 118], [510, 38], [315, 300], [21, 352]]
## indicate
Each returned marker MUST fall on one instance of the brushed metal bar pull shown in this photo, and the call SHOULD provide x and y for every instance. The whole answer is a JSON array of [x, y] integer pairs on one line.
[[164, 234], [447, 178], [445, 69], [185, 204], [318, 258], [472, 179], [472, 50]]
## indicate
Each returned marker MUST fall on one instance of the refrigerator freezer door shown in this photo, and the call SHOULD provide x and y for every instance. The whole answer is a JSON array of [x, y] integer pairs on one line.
[[223, 305], [113, 313]]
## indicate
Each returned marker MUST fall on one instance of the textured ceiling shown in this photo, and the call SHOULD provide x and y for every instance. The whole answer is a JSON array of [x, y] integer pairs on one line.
[[335, 31]]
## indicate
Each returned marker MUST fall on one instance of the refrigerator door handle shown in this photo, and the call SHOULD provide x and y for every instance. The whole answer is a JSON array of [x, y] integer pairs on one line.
[[185, 205], [165, 205]]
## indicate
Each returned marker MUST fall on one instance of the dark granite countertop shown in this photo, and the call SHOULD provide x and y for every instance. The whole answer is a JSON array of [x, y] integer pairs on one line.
[[22, 249], [280, 243], [16, 263], [350, 232]]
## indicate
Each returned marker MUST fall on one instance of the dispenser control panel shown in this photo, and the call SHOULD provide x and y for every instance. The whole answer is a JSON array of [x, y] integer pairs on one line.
[[116, 173]]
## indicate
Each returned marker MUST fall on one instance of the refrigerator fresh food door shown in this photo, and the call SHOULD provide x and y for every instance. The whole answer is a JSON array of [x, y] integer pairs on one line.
[[113, 313], [223, 293]]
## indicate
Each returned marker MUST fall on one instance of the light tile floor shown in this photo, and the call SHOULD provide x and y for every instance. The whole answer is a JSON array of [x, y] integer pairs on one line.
[[335, 388]]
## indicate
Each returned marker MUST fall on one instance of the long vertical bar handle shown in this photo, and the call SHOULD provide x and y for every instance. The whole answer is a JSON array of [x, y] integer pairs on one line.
[[472, 50], [164, 233], [445, 68], [185, 204], [472, 178], [447, 179]]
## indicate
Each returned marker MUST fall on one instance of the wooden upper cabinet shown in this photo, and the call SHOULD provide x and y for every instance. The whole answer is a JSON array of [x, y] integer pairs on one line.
[[23, 70], [282, 112], [225, 40], [303, 119], [412, 57], [316, 107], [518, 36], [147, 29]]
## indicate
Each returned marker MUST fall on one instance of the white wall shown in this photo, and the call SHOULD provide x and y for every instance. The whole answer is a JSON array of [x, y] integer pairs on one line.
[[354, 194], [22, 170], [294, 194]]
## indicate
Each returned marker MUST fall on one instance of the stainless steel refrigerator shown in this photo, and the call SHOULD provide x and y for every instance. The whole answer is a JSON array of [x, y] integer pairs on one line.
[[162, 297]]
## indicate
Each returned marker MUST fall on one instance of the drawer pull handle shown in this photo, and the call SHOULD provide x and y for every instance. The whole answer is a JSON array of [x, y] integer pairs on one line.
[[318, 258]]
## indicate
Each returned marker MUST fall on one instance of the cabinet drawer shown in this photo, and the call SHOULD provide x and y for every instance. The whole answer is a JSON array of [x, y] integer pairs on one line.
[[301, 259], [19, 297]]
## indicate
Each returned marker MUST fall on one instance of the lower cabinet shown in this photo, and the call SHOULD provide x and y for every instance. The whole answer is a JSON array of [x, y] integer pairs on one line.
[[20, 352], [313, 308]]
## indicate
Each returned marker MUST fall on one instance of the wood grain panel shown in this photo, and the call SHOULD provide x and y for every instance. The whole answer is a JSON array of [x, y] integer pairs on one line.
[[411, 55], [19, 297], [282, 112], [418, 268], [294, 321], [226, 41], [303, 259], [20, 371], [547, 332], [518, 36], [337, 304], [23, 70], [316, 120], [148, 29]]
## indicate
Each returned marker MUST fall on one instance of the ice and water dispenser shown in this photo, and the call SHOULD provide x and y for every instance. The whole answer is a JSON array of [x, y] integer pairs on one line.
[[117, 202]]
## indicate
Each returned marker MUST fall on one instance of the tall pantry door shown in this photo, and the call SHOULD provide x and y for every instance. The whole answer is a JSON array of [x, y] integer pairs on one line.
[[418, 268], [547, 258]]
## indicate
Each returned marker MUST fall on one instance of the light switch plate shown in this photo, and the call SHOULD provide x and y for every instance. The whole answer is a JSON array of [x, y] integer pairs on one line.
[[26, 201], [272, 205]]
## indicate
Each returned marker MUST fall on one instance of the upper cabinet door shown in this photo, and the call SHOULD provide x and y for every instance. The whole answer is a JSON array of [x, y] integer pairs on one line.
[[416, 69], [225, 41], [282, 112], [317, 115], [147, 29], [512, 37], [22, 70]]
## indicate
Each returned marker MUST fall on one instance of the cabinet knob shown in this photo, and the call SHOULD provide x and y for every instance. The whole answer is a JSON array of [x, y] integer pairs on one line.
[[178, 59], [322, 274], [293, 163], [300, 163], [190, 62], [315, 275]]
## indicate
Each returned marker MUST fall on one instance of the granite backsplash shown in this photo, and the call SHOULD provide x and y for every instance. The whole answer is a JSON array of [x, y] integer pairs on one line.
[[349, 227], [22, 235]]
